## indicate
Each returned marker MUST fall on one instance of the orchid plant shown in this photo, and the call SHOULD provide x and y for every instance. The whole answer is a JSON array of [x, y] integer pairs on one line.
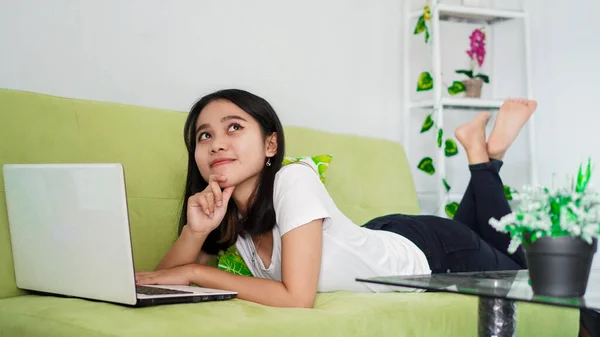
[[476, 54], [543, 212]]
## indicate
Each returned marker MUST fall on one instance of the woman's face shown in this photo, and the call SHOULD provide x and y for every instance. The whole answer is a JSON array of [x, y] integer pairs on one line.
[[230, 142]]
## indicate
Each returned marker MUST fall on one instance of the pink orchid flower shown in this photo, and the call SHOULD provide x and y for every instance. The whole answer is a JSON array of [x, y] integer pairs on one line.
[[477, 51]]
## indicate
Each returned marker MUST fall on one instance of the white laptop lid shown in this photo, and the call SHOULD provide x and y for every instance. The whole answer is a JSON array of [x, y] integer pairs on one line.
[[70, 231]]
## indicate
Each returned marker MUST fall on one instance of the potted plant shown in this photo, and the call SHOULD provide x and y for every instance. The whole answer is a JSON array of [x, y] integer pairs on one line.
[[558, 229], [472, 86]]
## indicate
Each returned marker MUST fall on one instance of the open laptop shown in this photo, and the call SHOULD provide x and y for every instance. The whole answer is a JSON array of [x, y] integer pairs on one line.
[[69, 228]]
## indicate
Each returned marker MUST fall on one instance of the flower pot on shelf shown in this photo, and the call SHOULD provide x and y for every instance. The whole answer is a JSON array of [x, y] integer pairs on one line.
[[473, 87], [559, 266]]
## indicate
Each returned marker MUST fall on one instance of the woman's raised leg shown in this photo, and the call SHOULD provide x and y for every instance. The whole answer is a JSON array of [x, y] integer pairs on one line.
[[484, 197]]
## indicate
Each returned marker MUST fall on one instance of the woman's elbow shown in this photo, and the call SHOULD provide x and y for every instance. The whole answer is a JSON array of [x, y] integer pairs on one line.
[[305, 305], [303, 302]]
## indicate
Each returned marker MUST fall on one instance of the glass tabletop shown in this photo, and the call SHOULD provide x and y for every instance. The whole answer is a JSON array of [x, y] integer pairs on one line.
[[513, 285]]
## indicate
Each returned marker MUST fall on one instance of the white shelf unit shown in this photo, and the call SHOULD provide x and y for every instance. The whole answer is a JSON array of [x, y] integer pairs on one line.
[[472, 14], [467, 14], [458, 103]]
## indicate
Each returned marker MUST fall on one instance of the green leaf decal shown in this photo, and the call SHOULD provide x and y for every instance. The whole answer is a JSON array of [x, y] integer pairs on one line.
[[439, 138], [456, 88], [426, 35], [425, 82], [485, 78], [426, 165], [450, 149], [427, 124], [468, 73], [421, 26], [451, 209], [446, 185]]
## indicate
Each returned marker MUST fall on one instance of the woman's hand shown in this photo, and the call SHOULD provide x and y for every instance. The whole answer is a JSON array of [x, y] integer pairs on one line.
[[206, 209], [181, 275]]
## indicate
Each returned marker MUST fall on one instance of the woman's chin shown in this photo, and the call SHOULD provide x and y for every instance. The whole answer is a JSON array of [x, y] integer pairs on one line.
[[226, 184], [230, 181], [233, 180], [233, 177]]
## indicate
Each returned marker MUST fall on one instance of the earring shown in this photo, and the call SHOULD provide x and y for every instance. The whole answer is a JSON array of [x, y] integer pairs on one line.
[[268, 162]]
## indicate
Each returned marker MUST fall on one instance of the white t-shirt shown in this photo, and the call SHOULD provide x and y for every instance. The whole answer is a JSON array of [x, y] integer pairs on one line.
[[349, 251]]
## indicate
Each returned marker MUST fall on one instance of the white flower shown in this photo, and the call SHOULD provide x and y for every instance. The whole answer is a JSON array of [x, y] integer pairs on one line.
[[590, 231], [540, 208], [515, 242]]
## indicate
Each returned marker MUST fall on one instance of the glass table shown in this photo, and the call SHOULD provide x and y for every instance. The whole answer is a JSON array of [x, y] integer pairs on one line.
[[498, 292]]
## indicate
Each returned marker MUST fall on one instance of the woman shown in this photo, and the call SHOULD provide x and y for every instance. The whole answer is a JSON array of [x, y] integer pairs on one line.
[[288, 229]]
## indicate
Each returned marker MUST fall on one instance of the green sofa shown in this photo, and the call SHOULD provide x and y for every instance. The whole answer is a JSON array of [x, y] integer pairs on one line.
[[367, 177]]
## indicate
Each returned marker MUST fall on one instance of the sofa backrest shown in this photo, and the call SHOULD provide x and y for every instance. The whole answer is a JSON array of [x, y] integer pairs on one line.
[[367, 177]]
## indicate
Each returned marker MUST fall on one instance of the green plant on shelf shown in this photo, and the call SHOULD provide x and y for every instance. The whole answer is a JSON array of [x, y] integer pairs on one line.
[[476, 54]]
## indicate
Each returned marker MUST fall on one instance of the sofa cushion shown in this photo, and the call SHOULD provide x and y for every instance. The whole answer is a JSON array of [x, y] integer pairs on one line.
[[335, 314], [231, 261], [148, 142], [319, 163], [368, 177]]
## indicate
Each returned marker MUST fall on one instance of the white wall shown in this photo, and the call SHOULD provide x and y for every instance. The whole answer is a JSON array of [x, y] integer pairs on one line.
[[332, 65], [566, 50], [326, 64]]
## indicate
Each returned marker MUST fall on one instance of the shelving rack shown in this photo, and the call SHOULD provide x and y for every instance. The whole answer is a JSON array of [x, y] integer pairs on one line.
[[465, 14]]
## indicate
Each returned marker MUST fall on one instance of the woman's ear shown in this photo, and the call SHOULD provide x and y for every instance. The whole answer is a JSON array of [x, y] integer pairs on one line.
[[271, 145]]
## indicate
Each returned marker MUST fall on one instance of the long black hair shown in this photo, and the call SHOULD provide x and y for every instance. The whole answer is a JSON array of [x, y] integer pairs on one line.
[[260, 215]]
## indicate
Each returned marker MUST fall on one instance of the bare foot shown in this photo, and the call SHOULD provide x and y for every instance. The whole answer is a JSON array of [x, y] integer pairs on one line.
[[513, 114], [472, 137]]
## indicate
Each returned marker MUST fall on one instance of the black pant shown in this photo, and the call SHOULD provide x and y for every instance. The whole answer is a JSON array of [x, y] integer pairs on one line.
[[590, 320], [468, 242]]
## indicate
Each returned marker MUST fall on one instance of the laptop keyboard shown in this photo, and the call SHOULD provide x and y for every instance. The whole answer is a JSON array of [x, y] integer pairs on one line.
[[158, 291]]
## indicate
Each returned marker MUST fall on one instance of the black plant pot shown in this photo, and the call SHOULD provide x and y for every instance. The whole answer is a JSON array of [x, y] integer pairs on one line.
[[559, 266]]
